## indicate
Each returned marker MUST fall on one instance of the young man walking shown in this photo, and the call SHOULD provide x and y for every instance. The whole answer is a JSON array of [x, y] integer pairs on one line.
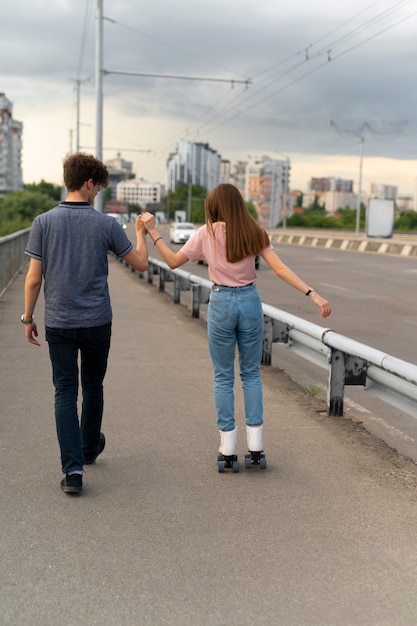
[[68, 246]]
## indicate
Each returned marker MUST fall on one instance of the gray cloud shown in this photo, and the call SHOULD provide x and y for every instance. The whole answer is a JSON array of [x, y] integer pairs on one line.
[[309, 65]]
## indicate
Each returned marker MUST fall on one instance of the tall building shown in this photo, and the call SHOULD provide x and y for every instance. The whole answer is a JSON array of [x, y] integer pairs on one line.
[[225, 172], [266, 185], [119, 170], [331, 184], [10, 148], [384, 192], [194, 163]]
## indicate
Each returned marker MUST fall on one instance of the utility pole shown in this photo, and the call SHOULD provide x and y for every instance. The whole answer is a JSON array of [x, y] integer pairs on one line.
[[189, 202], [78, 82], [397, 129], [361, 138], [100, 71], [98, 202], [285, 192], [358, 210]]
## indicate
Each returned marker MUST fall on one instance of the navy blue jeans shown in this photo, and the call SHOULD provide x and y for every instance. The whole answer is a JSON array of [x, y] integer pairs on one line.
[[235, 318], [65, 345]]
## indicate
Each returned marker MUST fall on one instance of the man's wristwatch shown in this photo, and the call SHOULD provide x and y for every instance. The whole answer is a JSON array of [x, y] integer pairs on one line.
[[24, 321]]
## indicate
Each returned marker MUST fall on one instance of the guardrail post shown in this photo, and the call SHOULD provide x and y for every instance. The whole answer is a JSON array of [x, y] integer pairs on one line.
[[336, 383], [150, 273], [195, 301], [162, 277], [176, 294], [267, 341]]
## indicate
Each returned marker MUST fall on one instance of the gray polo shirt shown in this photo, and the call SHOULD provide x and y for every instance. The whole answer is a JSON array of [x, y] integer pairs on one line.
[[72, 241]]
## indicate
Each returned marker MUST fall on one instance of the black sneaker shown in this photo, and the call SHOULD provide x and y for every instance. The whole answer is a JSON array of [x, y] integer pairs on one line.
[[72, 483], [89, 459]]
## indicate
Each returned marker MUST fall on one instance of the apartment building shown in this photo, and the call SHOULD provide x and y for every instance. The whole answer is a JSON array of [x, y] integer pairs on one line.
[[10, 148], [331, 183], [119, 170], [384, 192], [139, 192], [195, 163], [266, 185], [225, 171]]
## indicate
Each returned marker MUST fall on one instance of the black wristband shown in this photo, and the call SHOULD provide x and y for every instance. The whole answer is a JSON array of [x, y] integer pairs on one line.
[[307, 293], [156, 240]]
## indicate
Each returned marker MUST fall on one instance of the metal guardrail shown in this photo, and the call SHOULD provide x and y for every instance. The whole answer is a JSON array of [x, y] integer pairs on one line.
[[347, 361], [12, 256]]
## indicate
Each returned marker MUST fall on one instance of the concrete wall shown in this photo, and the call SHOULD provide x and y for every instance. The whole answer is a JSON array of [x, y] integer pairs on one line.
[[12, 256]]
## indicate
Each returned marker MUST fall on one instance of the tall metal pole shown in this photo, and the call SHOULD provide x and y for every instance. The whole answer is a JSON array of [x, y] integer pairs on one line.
[[98, 203], [284, 193], [77, 123], [189, 203], [358, 209], [287, 167]]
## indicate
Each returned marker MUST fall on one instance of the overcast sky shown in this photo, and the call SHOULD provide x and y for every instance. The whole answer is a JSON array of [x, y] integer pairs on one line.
[[321, 75]]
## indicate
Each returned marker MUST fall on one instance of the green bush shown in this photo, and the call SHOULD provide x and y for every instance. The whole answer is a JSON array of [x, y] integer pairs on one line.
[[18, 208]]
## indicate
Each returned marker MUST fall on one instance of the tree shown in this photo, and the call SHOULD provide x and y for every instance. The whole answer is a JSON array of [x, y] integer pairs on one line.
[[49, 189], [178, 201], [407, 220], [18, 208], [299, 200], [251, 208]]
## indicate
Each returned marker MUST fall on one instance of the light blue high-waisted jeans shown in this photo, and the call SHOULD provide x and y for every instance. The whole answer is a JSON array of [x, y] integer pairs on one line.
[[235, 318]]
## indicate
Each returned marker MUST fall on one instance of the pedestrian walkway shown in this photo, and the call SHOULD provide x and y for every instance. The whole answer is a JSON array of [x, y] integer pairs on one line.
[[324, 536]]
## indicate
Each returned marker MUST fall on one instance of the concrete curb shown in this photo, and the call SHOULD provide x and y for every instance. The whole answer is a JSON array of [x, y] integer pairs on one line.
[[376, 246]]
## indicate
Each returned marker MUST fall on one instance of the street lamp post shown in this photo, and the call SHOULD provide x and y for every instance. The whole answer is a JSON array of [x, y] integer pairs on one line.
[[284, 194], [361, 137], [100, 72], [98, 202], [358, 209]]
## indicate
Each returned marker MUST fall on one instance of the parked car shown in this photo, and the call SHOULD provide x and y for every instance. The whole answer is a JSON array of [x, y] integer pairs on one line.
[[180, 232]]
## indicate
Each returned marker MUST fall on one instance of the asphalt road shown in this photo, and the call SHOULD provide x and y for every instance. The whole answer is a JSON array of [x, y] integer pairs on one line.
[[374, 297]]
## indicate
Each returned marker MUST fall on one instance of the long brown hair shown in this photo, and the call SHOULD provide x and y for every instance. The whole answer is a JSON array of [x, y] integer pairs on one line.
[[244, 237]]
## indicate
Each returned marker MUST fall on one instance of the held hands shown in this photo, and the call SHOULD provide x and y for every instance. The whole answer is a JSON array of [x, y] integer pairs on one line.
[[140, 226], [325, 308], [148, 221]]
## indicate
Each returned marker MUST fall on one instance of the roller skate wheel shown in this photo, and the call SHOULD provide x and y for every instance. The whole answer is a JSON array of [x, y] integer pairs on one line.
[[248, 461]]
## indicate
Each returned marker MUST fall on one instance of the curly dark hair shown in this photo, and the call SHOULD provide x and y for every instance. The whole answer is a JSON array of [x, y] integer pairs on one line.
[[80, 167]]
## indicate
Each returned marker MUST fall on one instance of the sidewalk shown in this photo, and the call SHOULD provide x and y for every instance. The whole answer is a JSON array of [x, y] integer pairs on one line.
[[324, 536]]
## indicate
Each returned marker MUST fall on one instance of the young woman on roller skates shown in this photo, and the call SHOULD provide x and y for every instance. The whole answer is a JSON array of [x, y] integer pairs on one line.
[[229, 242]]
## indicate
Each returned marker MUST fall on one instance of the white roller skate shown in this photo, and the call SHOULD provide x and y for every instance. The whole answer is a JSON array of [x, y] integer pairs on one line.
[[227, 458], [256, 455]]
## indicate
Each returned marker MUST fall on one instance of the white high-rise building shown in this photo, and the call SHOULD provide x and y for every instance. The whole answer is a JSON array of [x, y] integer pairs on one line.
[[194, 163], [10, 148], [384, 192], [139, 192]]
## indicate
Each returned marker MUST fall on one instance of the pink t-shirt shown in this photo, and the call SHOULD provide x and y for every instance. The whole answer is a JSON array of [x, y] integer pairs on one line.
[[203, 245]]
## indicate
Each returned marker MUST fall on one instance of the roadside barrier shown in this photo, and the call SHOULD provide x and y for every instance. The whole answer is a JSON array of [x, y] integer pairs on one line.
[[348, 362], [12, 257]]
